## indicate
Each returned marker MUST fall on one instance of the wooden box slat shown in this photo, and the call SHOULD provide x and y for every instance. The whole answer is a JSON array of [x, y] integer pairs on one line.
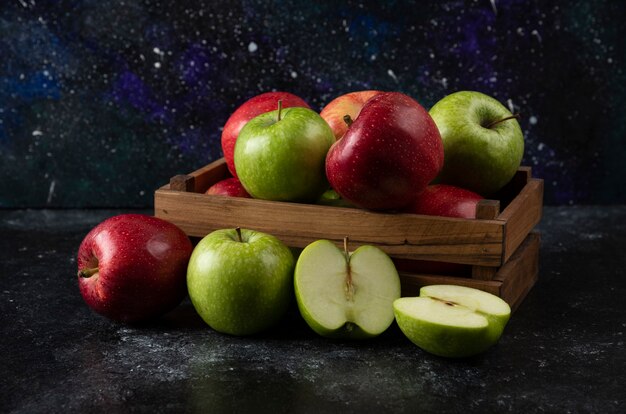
[[400, 235]]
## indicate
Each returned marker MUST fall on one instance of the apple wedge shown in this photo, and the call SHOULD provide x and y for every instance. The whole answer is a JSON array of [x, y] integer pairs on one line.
[[452, 321], [346, 295]]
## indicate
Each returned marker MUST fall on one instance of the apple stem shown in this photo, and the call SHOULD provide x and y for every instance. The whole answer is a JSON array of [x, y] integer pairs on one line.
[[515, 116], [88, 272], [348, 120], [238, 230], [280, 107]]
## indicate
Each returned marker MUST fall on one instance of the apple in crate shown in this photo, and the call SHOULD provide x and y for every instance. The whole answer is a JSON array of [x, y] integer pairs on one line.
[[132, 267], [240, 281], [452, 321], [445, 200], [252, 108], [483, 142], [230, 187], [346, 295], [331, 198], [390, 152], [280, 155], [349, 105]]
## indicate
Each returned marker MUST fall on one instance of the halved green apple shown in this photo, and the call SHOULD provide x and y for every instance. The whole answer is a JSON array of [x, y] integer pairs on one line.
[[452, 321], [346, 295]]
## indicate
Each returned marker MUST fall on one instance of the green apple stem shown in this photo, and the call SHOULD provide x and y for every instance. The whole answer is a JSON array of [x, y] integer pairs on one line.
[[348, 120], [515, 116], [349, 285], [280, 108], [88, 272], [238, 230]]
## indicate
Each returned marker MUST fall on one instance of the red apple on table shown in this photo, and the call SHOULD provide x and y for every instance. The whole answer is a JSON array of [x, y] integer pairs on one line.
[[391, 151], [133, 267], [349, 104], [228, 187], [253, 107], [447, 201]]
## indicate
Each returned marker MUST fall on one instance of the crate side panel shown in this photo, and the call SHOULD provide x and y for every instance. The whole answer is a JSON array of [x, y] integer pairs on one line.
[[520, 272], [400, 235], [522, 215]]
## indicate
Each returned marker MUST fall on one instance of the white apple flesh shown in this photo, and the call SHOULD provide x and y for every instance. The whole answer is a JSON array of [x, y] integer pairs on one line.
[[345, 295], [452, 321]]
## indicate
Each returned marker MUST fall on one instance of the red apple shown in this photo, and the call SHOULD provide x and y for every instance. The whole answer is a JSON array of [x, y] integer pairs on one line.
[[349, 104], [228, 187], [253, 107], [390, 152], [445, 200], [133, 267]]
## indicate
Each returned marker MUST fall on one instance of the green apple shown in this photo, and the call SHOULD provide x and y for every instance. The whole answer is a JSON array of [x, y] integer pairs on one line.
[[281, 155], [483, 142], [240, 281], [331, 198], [346, 295], [452, 321]]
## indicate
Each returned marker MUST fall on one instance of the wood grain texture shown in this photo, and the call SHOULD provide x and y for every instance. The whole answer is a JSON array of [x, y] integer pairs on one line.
[[486, 210], [520, 272], [408, 236], [209, 175], [411, 284], [522, 215], [182, 182]]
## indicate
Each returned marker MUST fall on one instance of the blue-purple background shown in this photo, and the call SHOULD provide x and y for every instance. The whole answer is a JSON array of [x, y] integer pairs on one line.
[[102, 101]]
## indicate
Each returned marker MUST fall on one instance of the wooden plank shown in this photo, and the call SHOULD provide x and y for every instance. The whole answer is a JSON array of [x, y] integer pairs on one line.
[[409, 236], [209, 175], [182, 182], [412, 283], [520, 272], [486, 210], [522, 215]]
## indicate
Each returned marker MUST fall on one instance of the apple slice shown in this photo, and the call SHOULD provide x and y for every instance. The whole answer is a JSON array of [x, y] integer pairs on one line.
[[452, 321], [346, 295]]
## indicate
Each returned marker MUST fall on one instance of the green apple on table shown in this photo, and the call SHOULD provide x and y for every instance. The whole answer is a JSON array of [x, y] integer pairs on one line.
[[281, 155], [452, 321], [240, 281], [483, 142], [346, 295]]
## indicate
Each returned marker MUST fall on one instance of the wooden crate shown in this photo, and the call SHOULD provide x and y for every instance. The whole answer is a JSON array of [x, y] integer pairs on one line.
[[486, 245]]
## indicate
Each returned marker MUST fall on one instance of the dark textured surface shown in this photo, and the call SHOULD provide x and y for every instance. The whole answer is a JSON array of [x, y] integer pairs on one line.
[[102, 101], [563, 350]]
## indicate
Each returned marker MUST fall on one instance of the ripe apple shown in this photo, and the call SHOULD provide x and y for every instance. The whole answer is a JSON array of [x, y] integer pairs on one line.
[[331, 198], [228, 187], [349, 104], [252, 108], [445, 200], [390, 152], [132, 267], [483, 142], [280, 155], [346, 295], [240, 281], [452, 321]]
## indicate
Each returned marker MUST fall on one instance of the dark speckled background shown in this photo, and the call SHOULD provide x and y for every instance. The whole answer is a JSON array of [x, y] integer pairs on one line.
[[102, 101]]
